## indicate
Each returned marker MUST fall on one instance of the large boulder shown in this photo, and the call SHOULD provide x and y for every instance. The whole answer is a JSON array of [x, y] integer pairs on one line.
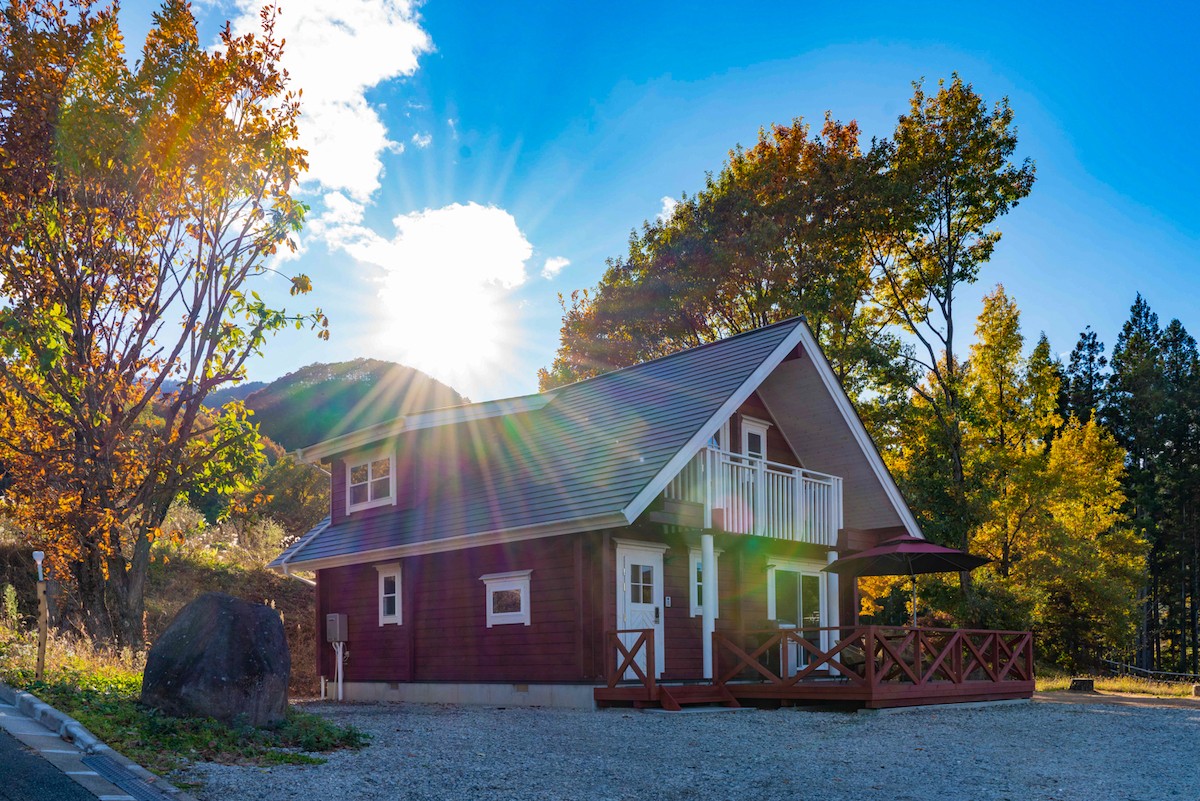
[[223, 658]]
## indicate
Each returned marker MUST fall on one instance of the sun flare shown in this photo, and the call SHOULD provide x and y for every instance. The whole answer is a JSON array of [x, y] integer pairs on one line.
[[460, 339]]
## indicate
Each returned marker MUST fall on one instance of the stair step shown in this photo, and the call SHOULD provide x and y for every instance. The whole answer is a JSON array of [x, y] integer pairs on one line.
[[678, 696]]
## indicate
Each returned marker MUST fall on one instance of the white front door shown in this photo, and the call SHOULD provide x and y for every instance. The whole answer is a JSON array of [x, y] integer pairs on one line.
[[640, 600]]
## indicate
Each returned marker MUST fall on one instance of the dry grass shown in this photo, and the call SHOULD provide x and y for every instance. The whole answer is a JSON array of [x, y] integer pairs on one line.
[[174, 582], [1131, 685]]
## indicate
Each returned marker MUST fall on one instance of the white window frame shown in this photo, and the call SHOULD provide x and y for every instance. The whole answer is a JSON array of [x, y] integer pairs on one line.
[[752, 425], [499, 582], [695, 557], [391, 570], [367, 459], [804, 567]]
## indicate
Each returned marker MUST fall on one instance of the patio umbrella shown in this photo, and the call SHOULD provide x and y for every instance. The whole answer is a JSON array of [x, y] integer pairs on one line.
[[906, 556]]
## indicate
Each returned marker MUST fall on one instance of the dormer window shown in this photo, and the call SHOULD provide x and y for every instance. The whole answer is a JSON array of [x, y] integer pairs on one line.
[[370, 482]]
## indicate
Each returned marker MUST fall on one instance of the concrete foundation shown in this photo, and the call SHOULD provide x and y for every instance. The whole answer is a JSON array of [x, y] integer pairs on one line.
[[567, 696]]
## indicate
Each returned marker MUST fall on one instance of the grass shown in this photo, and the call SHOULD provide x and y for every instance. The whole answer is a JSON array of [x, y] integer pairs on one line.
[[100, 689], [1132, 685]]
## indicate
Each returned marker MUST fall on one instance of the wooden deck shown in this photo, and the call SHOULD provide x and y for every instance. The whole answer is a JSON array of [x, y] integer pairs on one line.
[[867, 666]]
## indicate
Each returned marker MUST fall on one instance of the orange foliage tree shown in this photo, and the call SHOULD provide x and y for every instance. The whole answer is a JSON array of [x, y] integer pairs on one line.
[[138, 208]]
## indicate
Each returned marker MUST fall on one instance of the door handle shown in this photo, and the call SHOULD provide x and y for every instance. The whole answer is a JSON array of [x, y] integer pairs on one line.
[[656, 614]]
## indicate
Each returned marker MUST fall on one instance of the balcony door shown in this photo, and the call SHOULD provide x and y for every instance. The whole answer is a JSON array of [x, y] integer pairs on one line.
[[754, 438]]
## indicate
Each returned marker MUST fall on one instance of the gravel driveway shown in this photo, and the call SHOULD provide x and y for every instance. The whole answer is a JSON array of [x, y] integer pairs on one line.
[[1092, 752]]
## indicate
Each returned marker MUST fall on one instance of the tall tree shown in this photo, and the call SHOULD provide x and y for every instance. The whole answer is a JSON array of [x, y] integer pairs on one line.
[[1178, 482], [775, 234], [1133, 412], [1086, 376], [1012, 412], [138, 209], [952, 179]]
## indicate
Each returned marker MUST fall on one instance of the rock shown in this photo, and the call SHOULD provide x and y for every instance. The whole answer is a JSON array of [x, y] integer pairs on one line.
[[1083, 686], [223, 658]]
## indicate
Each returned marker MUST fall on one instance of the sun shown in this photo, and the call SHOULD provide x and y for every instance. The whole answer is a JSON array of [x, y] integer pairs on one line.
[[461, 336]]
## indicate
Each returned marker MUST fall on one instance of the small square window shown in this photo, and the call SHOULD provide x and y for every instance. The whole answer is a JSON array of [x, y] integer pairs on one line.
[[389, 594], [506, 601], [507, 598]]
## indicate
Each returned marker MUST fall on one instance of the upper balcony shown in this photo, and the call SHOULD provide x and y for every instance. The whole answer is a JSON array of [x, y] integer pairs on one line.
[[745, 495]]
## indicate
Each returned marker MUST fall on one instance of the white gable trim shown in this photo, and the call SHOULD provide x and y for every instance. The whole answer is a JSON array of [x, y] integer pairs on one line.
[[854, 423], [701, 437]]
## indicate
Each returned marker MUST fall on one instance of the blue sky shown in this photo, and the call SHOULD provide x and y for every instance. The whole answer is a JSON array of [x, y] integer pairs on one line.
[[473, 160]]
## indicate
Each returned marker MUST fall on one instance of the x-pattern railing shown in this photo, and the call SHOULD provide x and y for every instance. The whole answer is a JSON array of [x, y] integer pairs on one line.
[[627, 657], [870, 656]]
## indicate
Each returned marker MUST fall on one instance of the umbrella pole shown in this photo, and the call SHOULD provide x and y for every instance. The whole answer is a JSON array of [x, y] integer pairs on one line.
[[913, 576]]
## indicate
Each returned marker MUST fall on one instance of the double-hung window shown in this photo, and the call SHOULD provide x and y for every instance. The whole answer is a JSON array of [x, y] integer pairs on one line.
[[699, 585], [370, 482], [390, 609]]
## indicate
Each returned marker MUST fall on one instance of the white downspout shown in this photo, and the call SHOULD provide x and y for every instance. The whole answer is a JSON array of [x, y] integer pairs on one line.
[[708, 607]]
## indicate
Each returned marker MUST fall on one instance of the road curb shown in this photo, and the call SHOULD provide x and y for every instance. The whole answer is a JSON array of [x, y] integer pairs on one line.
[[72, 731]]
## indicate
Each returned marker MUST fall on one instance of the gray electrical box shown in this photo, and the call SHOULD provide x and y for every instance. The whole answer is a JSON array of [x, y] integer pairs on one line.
[[336, 629]]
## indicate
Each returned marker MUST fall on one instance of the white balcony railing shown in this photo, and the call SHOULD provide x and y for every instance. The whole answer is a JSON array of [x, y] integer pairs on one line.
[[755, 496]]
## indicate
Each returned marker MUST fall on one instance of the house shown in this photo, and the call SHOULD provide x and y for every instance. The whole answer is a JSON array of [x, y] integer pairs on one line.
[[655, 535]]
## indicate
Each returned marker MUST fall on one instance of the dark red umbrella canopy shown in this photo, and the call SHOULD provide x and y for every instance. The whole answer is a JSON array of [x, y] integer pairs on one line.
[[906, 556]]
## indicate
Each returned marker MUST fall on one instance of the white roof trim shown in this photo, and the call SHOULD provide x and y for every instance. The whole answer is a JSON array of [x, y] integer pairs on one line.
[[283, 562], [414, 422], [854, 423], [731, 405], [474, 540]]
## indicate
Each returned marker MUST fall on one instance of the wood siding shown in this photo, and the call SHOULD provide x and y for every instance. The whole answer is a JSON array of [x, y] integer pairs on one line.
[[445, 636], [778, 449], [573, 588]]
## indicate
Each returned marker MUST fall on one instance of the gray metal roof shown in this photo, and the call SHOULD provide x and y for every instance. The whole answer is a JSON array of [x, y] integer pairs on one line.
[[599, 447]]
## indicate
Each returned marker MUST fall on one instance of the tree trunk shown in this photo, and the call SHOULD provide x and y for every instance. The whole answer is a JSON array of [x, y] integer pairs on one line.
[[1195, 621]]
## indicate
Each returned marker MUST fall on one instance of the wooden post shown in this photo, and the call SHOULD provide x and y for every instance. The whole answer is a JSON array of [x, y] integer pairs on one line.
[[43, 625]]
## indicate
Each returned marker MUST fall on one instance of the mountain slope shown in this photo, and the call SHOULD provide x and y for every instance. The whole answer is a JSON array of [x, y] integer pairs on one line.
[[324, 400]]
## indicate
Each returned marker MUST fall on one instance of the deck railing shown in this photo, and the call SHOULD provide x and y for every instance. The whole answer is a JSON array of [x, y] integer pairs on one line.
[[875, 657], [630, 645], [745, 495]]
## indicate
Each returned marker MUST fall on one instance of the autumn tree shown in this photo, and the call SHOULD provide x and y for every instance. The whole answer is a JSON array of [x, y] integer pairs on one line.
[[775, 234], [140, 208], [952, 178], [1012, 413]]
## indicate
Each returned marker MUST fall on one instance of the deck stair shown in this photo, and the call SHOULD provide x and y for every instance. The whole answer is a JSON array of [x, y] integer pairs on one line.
[[675, 697]]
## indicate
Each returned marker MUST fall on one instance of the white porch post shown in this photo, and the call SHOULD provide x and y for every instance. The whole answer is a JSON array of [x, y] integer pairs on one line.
[[708, 607], [833, 596]]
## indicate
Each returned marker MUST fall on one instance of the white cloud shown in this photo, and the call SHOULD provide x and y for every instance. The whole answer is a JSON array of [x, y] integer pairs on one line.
[[553, 266], [668, 208], [335, 52], [422, 140]]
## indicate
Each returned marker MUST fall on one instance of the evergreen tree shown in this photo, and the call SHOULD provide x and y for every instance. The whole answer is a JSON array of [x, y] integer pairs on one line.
[[1085, 376], [1133, 412], [1178, 485]]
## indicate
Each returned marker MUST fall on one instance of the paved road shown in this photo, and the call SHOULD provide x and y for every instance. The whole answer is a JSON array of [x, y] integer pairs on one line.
[[25, 776]]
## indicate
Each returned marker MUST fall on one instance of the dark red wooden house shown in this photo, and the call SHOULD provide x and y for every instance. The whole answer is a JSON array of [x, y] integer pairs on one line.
[[656, 535]]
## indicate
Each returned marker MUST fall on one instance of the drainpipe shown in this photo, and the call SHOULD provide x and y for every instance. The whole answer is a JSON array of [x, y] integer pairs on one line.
[[708, 608]]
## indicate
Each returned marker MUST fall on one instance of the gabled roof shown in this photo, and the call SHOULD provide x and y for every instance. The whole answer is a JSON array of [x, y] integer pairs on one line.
[[589, 455]]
